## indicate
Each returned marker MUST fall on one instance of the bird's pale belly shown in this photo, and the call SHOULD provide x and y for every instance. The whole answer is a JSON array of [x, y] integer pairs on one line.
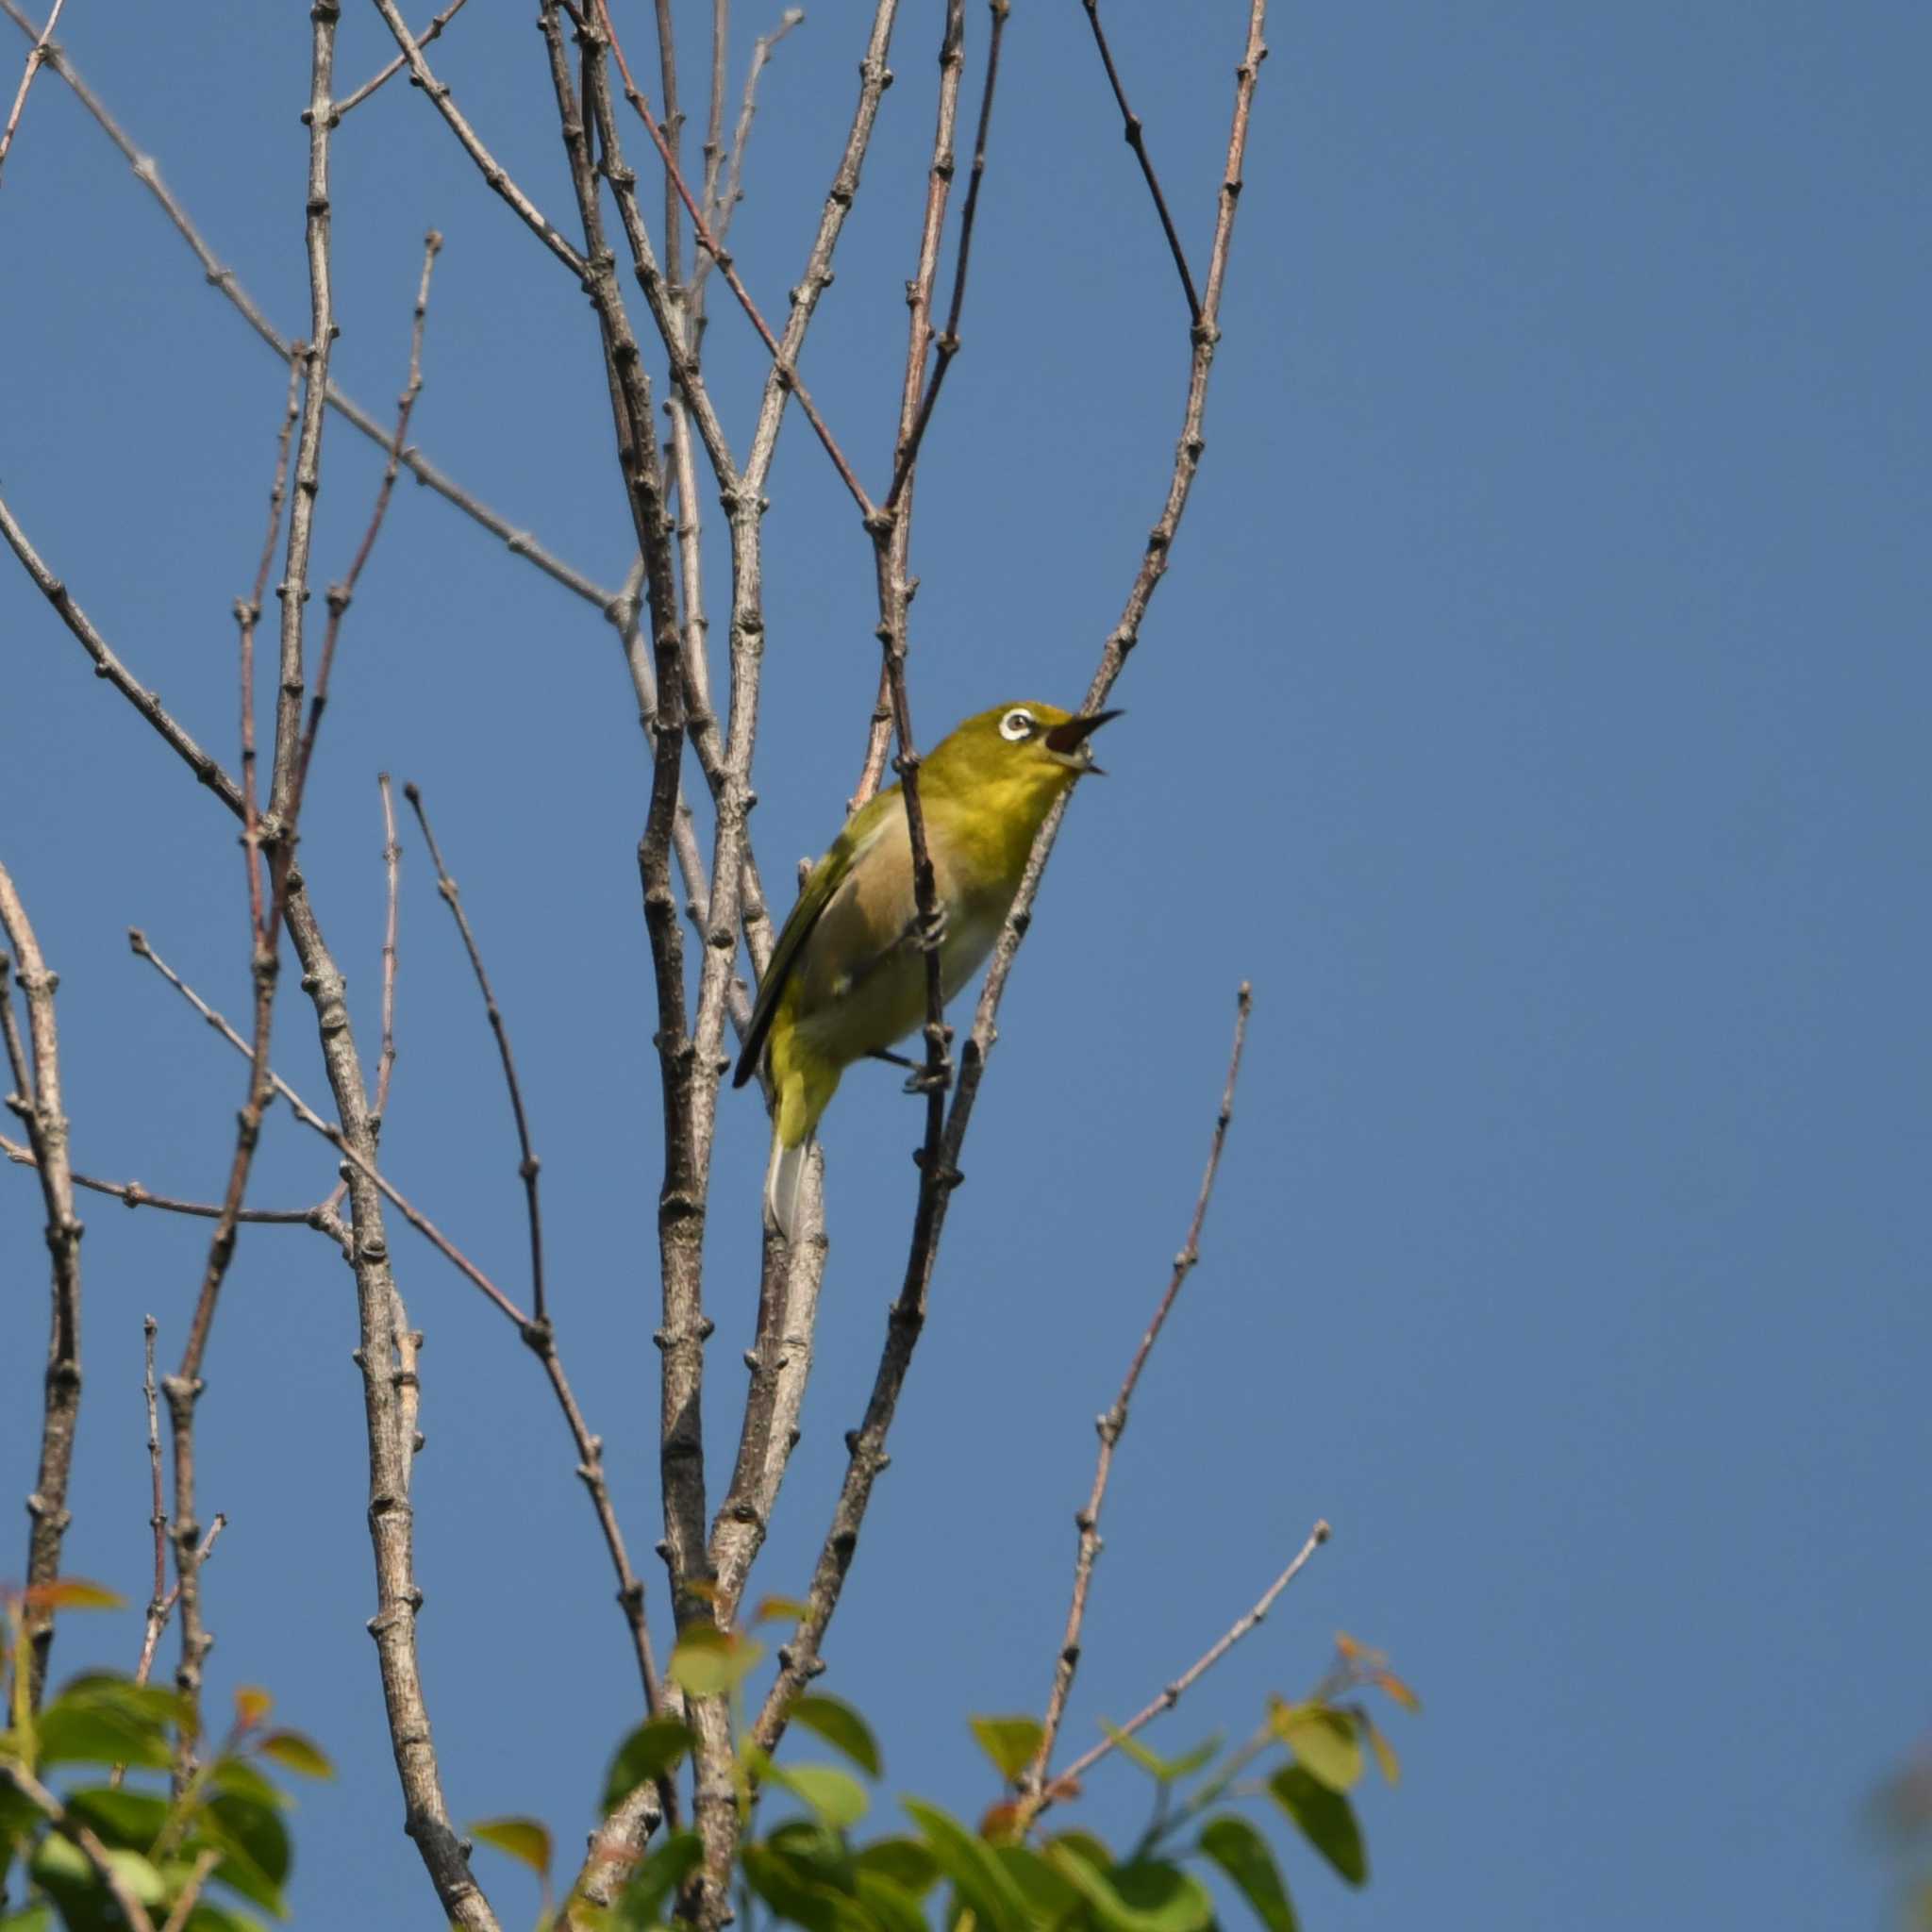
[[888, 1002]]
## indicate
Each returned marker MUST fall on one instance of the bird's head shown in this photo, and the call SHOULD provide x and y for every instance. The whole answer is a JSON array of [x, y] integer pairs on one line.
[[1019, 746]]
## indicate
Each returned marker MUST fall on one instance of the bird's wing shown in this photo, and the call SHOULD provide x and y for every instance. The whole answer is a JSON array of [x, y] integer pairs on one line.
[[862, 831]]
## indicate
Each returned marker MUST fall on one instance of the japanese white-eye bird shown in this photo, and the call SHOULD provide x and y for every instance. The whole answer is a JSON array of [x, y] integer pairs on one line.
[[847, 977]]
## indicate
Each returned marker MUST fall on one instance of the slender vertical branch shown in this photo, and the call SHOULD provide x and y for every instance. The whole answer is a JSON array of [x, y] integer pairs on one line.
[[528, 1166], [1113, 1423], [1137, 140], [35, 55], [721, 203], [35, 1099]]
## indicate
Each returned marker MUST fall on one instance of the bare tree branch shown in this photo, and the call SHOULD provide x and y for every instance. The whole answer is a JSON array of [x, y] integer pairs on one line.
[[382, 74], [1172, 1694], [721, 205], [1137, 140], [35, 1099], [37, 53], [519, 543], [492, 171], [132, 1194], [1113, 1423], [108, 666]]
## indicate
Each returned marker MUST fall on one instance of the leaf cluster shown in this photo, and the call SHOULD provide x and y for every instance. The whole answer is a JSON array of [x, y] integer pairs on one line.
[[1018, 1869], [132, 1785]]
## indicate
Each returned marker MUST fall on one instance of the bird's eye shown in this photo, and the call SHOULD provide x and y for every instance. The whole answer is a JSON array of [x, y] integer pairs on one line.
[[1016, 725]]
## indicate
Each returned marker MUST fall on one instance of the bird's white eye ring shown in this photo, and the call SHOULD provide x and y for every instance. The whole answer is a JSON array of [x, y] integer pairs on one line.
[[1016, 725]]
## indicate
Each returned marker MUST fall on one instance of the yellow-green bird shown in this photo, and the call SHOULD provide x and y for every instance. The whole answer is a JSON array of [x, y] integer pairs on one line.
[[847, 977]]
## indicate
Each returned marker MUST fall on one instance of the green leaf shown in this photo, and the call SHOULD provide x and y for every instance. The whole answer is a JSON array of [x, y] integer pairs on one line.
[[1084, 1842], [1052, 1899], [1323, 1741], [659, 1875], [293, 1752], [1144, 1897], [80, 1733], [62, 1870], [209, 1917], [820, 1850], [131, 1819], [1168, 1770], [977, 1877], [789, 1888], [907, 1862], [1386, 1759], [842, 1728], [709, 1661], [1243, 1853], [150, 1704], [253, 1844], [647, 1754], [889, 1905], [1325, 1818], [836, 1799], [1137, 1898], [238, 1775], [35, 1919], [1012, 1742], [524, 1840]]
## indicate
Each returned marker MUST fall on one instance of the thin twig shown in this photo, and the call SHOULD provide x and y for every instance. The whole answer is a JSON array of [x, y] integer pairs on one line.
[[868, 1455], [108, 666], [786, 368], [132, 1194], [159, 1614], [341, 594], [492, 171], [947, 344], [1202, 1664], [528, 1166], [389, 72], [720, 206], [36, 1100], [35, 55], [338, 1139], [1113, 1423], [392, 863], [519, 543], [1137, 140], [184, 1905]]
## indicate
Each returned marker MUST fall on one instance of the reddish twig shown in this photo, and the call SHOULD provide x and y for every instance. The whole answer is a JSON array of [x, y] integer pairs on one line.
[[1113, 1423], [721, 204], [786, 369], [1137, 140]]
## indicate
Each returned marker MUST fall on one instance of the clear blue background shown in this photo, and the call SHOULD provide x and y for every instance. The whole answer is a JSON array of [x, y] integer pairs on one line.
[[1536, 712]]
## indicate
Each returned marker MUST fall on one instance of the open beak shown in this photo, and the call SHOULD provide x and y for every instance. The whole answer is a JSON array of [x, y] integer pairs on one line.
[[1067, 741]]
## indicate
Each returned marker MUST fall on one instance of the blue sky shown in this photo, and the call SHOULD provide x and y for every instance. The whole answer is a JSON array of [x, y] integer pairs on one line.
[[1534, 712]]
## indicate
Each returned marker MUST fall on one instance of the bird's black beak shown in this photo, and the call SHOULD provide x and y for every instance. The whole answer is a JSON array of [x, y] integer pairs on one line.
[[1067, 741]]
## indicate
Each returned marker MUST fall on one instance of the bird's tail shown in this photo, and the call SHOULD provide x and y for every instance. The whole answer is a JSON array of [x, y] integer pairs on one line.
[[784, 1182]]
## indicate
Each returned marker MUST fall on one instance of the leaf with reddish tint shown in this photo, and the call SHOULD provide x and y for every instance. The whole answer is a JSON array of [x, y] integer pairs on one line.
[[252, 1705], [72, 1593]]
